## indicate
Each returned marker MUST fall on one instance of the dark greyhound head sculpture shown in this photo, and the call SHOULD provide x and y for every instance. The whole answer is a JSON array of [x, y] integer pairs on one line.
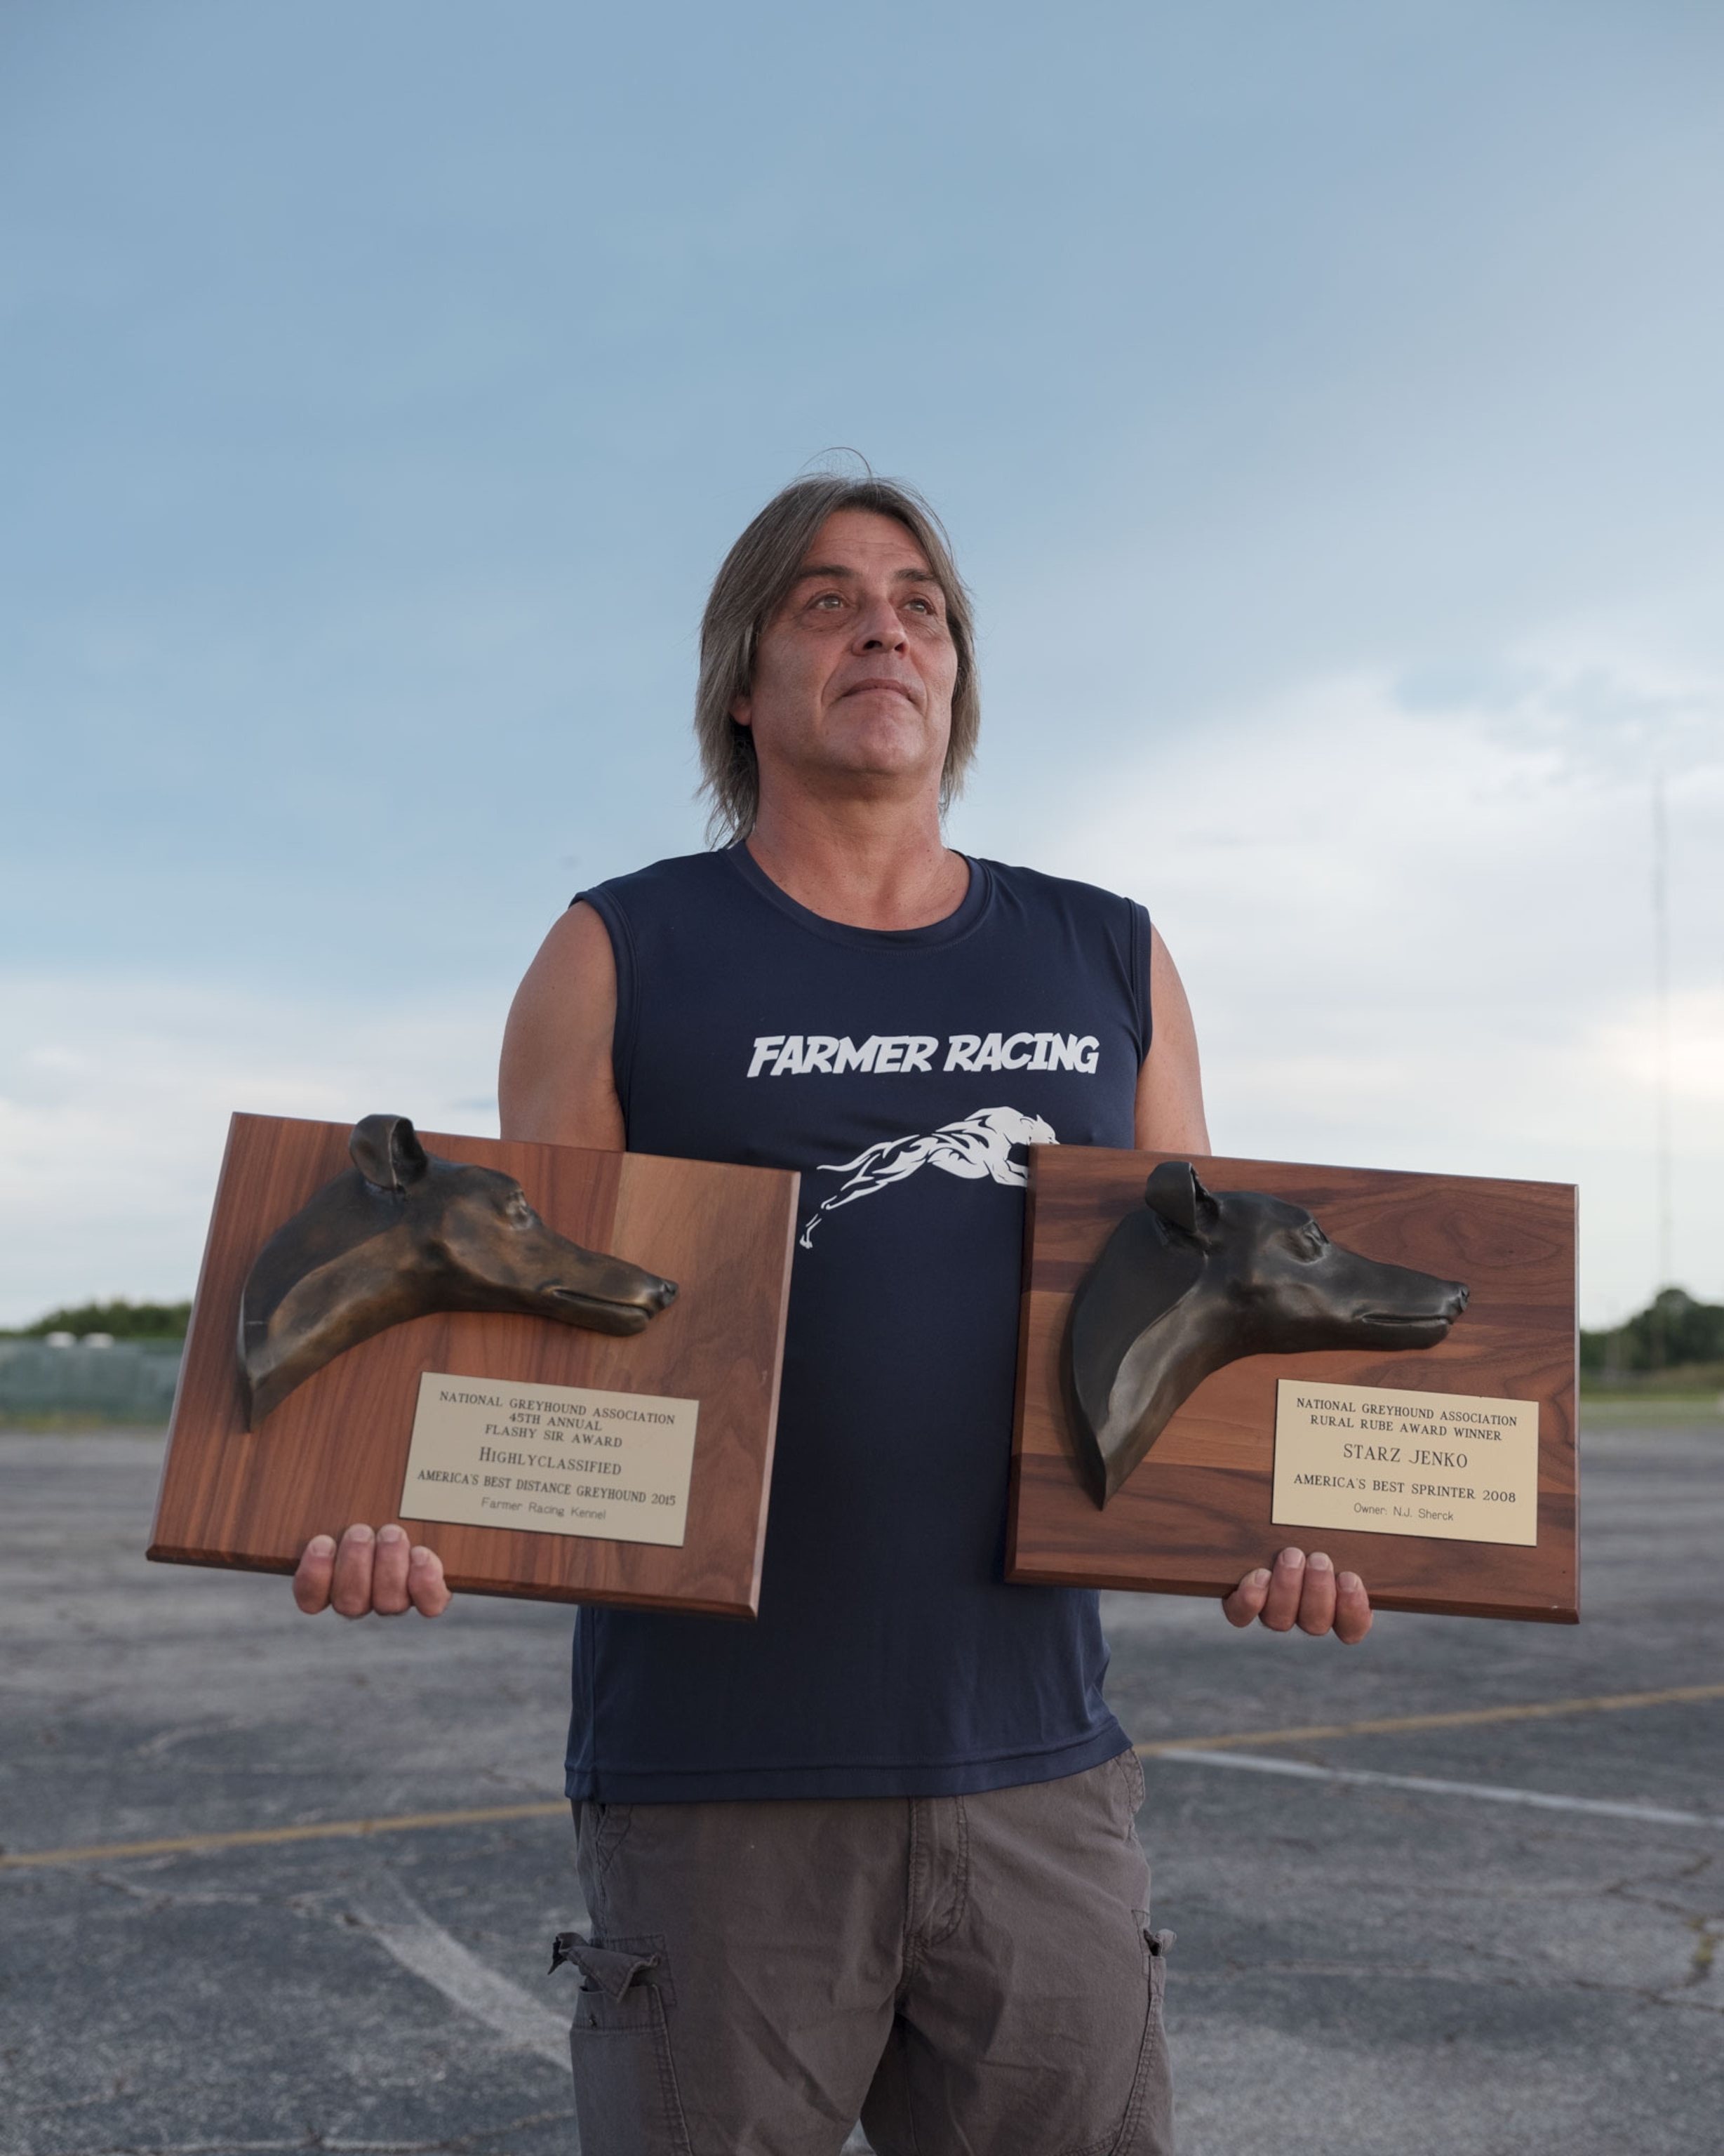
[[1197, 1278], [401, 1233]]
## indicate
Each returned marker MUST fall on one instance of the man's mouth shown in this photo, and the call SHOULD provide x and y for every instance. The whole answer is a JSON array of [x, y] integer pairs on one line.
[[875, 683]]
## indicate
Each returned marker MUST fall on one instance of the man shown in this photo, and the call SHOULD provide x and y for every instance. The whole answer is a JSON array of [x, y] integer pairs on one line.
[[874, 1853]]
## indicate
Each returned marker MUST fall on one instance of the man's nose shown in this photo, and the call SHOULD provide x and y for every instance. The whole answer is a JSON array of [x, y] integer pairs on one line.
[[879, 628]]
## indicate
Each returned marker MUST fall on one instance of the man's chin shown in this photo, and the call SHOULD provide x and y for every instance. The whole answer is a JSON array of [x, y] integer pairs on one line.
[[897, 744]]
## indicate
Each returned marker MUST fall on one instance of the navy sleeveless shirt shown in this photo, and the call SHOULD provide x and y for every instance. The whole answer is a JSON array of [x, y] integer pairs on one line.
[[903, 1072]]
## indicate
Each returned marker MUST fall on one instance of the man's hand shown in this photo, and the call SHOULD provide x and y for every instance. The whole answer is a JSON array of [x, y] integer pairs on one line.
[[1303, 1591], [369, 1572]]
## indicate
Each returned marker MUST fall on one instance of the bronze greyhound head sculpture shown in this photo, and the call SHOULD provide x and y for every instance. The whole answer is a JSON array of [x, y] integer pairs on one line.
[[1195, 1279], [401, 1233]]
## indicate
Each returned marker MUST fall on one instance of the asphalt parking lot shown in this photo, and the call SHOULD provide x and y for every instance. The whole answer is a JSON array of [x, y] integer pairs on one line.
[[1363, 1967]]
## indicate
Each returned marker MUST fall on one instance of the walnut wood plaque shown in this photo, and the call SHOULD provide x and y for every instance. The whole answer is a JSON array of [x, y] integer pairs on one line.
[[336, 1449], [1199, 1510]]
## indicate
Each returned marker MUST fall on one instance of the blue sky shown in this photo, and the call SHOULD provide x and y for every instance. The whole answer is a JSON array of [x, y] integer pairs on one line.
[[1324, 402]]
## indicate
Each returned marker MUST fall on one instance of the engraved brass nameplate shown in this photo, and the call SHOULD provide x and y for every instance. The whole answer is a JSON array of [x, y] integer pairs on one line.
[[1454, 1465], [552, 1459]]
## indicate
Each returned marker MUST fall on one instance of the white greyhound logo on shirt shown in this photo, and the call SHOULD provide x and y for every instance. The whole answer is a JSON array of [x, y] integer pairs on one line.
[[980, 1145]]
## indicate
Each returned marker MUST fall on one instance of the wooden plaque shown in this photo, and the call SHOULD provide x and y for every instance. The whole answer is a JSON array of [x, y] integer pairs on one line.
[[1197, 1513], [335, 1451]]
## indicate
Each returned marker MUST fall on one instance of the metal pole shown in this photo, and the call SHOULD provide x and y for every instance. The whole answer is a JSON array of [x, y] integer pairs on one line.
[[1661, 984]]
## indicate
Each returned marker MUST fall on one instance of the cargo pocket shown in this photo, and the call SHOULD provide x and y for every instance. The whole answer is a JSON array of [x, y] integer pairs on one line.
[[1130, 1769], [626, 2096], [1148, 2129]]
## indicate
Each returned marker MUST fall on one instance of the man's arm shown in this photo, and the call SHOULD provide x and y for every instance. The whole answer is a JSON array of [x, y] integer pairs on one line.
[[555, 1086], [1170, 1085], [1299, 1590]]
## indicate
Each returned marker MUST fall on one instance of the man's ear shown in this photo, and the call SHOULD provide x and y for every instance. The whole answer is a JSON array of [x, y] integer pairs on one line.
[[1174, 1192], [741, 710], [387, 1152]]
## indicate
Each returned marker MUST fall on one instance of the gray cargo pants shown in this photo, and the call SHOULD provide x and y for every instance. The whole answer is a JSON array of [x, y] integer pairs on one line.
[[972, 1976]]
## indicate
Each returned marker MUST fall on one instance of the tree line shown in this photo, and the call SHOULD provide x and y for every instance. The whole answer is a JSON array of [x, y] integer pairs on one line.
[[120, 1320], [1672, 1330]]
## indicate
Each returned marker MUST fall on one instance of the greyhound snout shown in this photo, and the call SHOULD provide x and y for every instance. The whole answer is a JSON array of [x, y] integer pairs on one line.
[[651, 1294], [1341, 1298], [1416, 1311], [1446, 1303], [621, 1299], [507, 1248]]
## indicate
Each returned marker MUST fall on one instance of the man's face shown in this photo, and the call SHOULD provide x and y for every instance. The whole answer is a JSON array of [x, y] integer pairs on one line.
[[853, 675]]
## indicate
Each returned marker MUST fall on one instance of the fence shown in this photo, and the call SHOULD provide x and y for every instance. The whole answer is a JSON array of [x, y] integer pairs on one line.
[[125, 1381]]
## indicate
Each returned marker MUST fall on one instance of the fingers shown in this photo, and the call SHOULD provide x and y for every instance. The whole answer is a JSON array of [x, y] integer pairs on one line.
[[428, 1591], [312, 1579], [1316, 1600], [1353, 1609], [1244, 1605], [1306, 1591], [354, 1559], [389, 1570], [1280, 1606], [370, 1571]]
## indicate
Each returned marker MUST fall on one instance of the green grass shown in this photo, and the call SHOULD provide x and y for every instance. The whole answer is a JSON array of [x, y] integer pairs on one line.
[[1657, 1413], [1686, 1381], [75, 1422]]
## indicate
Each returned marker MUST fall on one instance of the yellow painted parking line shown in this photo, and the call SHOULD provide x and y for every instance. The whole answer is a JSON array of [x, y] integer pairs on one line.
[[266, 1837], [1464, 1717]]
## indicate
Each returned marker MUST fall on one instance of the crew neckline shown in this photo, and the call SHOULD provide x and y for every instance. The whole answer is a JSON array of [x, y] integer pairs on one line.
[[956, 924]]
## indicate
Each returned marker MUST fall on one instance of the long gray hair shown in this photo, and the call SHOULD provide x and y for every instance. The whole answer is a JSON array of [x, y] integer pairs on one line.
[[748, 590]]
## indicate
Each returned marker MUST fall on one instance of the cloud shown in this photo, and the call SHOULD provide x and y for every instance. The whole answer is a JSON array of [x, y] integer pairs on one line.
[[1695, 1056], [1278, 380], [1412, 912], [114, 1096], [1417, 933], [1413, 915]]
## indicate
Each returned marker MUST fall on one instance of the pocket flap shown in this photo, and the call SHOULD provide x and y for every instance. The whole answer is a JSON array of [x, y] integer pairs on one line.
[[609, 1970]]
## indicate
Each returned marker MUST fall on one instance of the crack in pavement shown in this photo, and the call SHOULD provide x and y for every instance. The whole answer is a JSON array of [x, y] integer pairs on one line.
[[460, 2144], [165, 1740], [176, 1897], [1671, 1995]]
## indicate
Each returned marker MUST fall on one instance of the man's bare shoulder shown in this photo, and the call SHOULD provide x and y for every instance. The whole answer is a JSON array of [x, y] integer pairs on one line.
[[579, 938], [555, 1081]]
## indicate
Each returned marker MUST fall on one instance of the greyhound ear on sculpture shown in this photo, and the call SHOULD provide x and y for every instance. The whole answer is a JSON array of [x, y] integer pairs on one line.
[[387, 1152], [1174, 1192]]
